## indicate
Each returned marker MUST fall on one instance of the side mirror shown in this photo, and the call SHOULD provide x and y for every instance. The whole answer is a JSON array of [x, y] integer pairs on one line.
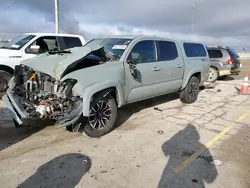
[[33, 49]]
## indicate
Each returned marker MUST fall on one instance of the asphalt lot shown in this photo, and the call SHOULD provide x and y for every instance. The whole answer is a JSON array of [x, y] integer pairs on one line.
[[146, 150]]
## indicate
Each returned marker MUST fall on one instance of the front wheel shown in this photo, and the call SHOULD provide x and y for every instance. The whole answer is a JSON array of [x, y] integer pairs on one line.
[[102, 117], [190, 93]]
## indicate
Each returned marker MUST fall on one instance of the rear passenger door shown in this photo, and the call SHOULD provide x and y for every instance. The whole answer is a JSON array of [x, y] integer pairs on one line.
[[69, 42], [171, 64]]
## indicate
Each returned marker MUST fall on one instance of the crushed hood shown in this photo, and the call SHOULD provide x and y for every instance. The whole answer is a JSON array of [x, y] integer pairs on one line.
[[55, 65]]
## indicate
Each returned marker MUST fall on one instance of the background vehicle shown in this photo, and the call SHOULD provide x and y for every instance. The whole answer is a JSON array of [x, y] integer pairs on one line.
[[86, 85], [28, 46], [224, 61]]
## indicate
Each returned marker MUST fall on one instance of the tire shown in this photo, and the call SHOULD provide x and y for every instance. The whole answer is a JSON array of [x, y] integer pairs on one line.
[[190, 93], [4, 80], [213, 74], [107, 115]]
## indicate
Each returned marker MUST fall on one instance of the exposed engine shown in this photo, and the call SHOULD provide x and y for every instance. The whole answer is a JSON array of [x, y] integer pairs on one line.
[[42, 96]]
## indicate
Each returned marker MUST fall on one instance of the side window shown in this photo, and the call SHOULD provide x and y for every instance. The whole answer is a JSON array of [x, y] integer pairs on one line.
[[143, 52], [167, 51], [69, 42], [42, 45], [215, 53], [194, 50]]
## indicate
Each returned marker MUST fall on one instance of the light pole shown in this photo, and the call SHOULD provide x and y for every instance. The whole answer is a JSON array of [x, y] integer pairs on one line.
[[56, 16], [193, 17]]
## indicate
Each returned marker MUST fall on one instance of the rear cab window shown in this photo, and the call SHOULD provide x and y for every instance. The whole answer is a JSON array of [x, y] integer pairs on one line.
[[166, 50], [213, 53], [194, 50], [69, 42]]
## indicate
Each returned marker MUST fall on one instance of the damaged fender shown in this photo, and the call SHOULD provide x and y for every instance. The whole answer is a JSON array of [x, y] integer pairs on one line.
[[102, 89]]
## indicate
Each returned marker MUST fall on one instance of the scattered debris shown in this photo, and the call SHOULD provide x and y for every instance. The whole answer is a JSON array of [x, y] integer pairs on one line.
[[195, 180], [218, 90], [209, 91], [104, 171], [160, 132], [217, 162], [84, 161], [158, 109]]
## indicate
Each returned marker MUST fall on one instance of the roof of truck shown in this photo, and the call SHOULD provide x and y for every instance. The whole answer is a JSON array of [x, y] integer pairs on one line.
[[54, 34], [152, 37], [135, 37]]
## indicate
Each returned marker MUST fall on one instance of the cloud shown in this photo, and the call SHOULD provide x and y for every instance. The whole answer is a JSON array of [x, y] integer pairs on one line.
[[216, 21]]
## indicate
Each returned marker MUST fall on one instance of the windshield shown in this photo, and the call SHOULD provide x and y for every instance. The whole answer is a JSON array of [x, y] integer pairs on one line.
[[18, 42], [113, 46]]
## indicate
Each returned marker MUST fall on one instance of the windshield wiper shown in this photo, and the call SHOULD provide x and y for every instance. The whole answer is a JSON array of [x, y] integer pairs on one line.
[[52, 52]]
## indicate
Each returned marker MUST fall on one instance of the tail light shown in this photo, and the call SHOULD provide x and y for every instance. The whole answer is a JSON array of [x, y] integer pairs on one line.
[[230, 61]]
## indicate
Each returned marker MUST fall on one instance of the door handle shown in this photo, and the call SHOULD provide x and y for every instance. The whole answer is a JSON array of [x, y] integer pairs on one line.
[[178, 66], [156, 69]]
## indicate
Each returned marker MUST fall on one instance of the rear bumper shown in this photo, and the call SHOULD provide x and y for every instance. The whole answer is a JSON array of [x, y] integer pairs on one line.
[[236, 69], [224, 70]]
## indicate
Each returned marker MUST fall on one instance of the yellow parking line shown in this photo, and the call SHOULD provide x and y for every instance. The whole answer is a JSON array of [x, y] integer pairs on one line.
[[208, 144]]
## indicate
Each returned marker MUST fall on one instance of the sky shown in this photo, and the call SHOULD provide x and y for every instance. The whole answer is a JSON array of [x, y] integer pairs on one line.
[[216, 22]]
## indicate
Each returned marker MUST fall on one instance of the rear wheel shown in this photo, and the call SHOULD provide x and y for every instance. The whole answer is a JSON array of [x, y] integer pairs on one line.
[[213, 74], [190, 93], [102, 117], [4, 80]]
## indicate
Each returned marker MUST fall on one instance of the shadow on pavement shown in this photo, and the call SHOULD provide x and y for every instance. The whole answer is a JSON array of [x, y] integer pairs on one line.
[[9, 134], [180, 147], [63, 171], [127, 111], [226, 78]]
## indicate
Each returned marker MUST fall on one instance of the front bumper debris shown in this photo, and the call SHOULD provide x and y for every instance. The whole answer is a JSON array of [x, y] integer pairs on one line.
[[22, 117]]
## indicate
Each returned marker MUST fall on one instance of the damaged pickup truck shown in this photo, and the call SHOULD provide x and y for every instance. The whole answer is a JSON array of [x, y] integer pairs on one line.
[[84, 86]]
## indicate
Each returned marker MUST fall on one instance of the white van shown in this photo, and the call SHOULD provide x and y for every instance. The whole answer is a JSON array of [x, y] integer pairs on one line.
[[29, 45]]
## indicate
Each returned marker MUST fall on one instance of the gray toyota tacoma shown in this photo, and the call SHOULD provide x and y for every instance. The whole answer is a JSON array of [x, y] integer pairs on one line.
[[83, 87]]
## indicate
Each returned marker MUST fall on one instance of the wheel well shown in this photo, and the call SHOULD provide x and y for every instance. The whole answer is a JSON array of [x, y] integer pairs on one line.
[[7, 69], [112, 91], [197, 75], [214, 67]]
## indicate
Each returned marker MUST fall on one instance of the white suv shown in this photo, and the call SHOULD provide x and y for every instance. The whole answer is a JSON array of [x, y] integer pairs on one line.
[[30, 45]]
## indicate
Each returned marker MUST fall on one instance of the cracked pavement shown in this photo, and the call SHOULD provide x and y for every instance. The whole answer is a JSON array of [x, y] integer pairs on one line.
[[153, 137]]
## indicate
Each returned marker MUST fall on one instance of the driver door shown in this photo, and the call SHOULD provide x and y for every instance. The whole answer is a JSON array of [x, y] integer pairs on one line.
[[144, 83]]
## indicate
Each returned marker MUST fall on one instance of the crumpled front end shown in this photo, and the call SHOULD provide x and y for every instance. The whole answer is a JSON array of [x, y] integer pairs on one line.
[[35, 98]]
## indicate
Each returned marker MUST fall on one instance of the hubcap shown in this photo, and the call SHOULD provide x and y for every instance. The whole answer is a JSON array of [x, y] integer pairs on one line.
[[3, 84], [100, 115], [193, 90], [212, 75]]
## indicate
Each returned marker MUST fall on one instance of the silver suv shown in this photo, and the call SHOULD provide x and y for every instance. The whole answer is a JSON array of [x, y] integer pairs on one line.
[[224, 61]]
